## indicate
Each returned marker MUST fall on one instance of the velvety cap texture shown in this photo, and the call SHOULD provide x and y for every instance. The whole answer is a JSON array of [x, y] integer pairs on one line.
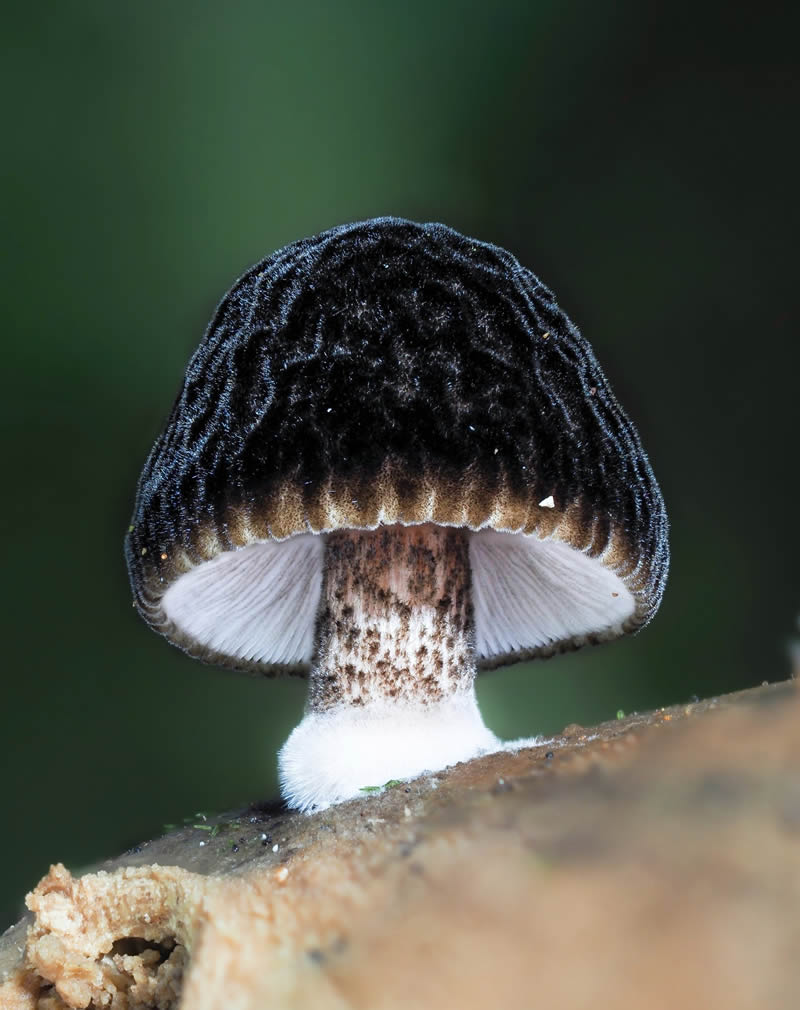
[[391, 372]]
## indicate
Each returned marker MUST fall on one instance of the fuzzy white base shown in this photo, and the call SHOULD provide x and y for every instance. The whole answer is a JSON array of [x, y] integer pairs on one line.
[[335, 755]]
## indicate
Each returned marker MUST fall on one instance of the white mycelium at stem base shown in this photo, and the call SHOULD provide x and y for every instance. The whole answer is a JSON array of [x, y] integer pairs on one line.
[[392, 686]]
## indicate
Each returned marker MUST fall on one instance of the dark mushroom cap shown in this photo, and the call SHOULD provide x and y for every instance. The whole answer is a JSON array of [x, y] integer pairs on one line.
[[389, 372]]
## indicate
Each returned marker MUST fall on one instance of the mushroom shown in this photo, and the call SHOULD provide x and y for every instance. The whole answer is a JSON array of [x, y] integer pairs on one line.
[[393, 462]]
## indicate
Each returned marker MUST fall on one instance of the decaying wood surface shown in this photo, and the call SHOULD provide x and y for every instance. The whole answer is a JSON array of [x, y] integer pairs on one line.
[[653, 861]]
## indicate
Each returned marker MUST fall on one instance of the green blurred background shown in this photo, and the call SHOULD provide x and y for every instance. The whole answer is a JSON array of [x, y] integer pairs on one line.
[[642, 158]]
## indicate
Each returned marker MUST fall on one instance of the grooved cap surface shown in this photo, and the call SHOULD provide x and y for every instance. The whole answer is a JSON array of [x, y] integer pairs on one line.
[[392, 372]]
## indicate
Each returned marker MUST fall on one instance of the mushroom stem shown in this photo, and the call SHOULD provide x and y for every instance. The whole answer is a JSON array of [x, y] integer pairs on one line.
[[396, 617], [392, 692]]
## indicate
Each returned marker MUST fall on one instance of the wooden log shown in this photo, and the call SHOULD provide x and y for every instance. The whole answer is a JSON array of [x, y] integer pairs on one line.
[[650, 861]]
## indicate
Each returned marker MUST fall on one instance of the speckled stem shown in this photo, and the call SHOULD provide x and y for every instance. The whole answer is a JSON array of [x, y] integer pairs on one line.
[[395, 620]]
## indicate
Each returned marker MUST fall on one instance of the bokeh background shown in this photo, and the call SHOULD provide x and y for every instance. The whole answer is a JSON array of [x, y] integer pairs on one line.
[[640, 157]]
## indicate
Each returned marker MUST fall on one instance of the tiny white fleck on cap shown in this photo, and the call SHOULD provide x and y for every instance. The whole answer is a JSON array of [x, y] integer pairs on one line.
[[547, 503]]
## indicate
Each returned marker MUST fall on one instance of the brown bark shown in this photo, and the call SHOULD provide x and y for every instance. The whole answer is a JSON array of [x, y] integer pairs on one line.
[[653, 861]]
